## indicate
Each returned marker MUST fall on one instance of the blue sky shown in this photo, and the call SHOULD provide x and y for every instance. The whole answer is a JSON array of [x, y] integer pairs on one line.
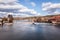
[[27, 8], [38, 4]]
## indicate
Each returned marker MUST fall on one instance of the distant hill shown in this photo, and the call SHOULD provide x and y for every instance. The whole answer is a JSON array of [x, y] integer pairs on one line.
[[35, 17]]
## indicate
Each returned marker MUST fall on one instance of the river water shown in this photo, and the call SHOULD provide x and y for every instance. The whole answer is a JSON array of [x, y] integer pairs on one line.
[[23, 30]]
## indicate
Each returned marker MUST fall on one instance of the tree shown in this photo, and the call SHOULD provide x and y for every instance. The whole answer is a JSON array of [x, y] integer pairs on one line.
[[10, 18]]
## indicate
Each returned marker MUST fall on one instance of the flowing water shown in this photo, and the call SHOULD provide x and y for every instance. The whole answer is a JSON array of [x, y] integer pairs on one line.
[[23, 30]]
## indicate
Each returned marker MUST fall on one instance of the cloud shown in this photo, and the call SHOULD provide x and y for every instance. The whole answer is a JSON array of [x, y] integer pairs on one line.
[[48, 6], [33, 4], [16, 9], [56, 12], [8, 1], [28, 11], [51, 7], [28, 2]]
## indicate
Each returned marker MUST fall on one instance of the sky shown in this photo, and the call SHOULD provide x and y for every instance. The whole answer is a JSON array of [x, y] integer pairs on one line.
[[28, 8]]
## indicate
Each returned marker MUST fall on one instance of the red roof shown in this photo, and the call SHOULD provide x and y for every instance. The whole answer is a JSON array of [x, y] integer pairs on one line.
[[56, 17]]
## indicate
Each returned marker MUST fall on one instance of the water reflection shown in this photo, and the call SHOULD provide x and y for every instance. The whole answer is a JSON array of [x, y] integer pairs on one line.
[[24, 30]]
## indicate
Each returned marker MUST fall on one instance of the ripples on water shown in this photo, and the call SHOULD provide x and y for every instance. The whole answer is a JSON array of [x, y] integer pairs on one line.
[[23, 30]]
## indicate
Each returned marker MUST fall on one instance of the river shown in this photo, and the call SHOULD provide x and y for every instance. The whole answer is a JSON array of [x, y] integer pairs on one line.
[[24, 30]]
